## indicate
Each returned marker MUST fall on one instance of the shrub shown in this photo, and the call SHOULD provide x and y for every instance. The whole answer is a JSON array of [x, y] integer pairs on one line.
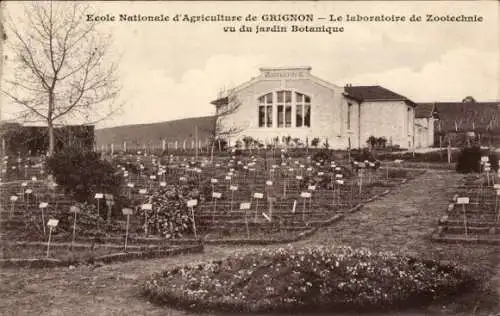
[[372, 141], [315, 142], [364, 155], [82, 174], [469, 160], [323, 154]]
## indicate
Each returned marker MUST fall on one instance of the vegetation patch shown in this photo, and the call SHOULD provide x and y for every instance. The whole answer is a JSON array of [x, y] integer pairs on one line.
[[316, 278]]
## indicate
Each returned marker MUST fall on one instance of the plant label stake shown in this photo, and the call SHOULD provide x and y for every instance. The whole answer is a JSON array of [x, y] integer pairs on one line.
[[43, 206], [463, 201], [294, 206], [339, 190], [215, 196], [213, 181], [152, 178], [146, 207], [28, 193], [361, 173], [191, 204], [245, 206], [23, 186], [74, 210], [232, 188], [299, 178], [13, 200], [109, 203], [271, 201], [52, 224], [98, 197], [127, 212], [257, 197], [269, 185], [130, 185], [304, 195]]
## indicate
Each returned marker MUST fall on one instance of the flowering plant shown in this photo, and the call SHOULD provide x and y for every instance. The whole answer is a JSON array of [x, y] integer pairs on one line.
[[288, 279]]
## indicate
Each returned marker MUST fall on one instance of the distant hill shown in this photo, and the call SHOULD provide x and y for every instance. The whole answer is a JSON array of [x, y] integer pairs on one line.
[[154, 133]]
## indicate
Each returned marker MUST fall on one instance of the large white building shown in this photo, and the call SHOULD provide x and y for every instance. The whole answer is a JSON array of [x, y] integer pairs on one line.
[[290, 101]]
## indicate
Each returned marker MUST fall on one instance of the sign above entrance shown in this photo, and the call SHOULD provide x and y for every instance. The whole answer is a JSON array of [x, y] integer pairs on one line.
[[285, 73]]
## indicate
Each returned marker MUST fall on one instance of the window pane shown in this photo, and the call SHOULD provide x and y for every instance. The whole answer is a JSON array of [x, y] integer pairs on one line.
[[300, 97], [298, 116], [262, 116], [280, 115], [307, 99], [288, 96], [280, 96], [262, 99], [288, 116], [269, 98], [270, 116], [307, 115]]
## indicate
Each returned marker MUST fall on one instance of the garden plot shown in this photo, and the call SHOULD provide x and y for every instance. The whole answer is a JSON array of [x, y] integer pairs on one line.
[[282, 197], [233, 199], [473, 214]]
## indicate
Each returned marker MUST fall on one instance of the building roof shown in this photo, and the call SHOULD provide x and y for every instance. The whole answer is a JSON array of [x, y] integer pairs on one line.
[[374, 93], [468, 116], [220, 101], [426, 110]]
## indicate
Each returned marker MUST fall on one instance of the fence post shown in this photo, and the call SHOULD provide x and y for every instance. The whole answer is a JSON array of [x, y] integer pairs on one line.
[[176, 143], [163, 144], [124, 146]]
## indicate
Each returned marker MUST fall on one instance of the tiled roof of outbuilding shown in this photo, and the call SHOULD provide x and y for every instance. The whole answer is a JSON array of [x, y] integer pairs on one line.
[[426, 110], [374, 93]]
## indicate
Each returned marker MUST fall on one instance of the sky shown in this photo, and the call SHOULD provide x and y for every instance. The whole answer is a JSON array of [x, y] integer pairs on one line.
[[172, 70]]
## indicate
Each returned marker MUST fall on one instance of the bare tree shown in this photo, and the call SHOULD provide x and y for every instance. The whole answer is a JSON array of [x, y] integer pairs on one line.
[[226, 104], [62, 69]]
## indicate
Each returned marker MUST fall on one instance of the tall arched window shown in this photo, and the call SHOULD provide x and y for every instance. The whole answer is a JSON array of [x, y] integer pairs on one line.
[[266, 110], [284, 102], [302, 110]]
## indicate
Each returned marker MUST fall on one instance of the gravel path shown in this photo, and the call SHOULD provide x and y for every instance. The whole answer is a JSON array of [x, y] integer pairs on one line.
[[400, 221]]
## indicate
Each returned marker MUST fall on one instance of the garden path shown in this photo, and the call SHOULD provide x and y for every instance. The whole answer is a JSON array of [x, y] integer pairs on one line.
[[399, 221]]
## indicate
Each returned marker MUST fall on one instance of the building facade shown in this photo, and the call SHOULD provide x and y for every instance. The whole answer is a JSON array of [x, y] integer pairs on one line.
[[425, 116], [292, 103]]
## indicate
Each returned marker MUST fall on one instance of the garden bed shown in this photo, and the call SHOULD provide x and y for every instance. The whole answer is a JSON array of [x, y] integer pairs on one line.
[[35, 254], [314, 278]]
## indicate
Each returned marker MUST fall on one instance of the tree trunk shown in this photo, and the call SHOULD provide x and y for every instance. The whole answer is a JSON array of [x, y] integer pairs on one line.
[[50, 124], [52, 142]]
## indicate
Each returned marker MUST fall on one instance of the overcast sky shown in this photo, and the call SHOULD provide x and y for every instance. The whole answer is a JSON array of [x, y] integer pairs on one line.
[[173, 70]]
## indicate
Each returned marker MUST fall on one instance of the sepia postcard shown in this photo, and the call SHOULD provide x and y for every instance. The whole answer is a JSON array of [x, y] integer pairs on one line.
[[249, 157]]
